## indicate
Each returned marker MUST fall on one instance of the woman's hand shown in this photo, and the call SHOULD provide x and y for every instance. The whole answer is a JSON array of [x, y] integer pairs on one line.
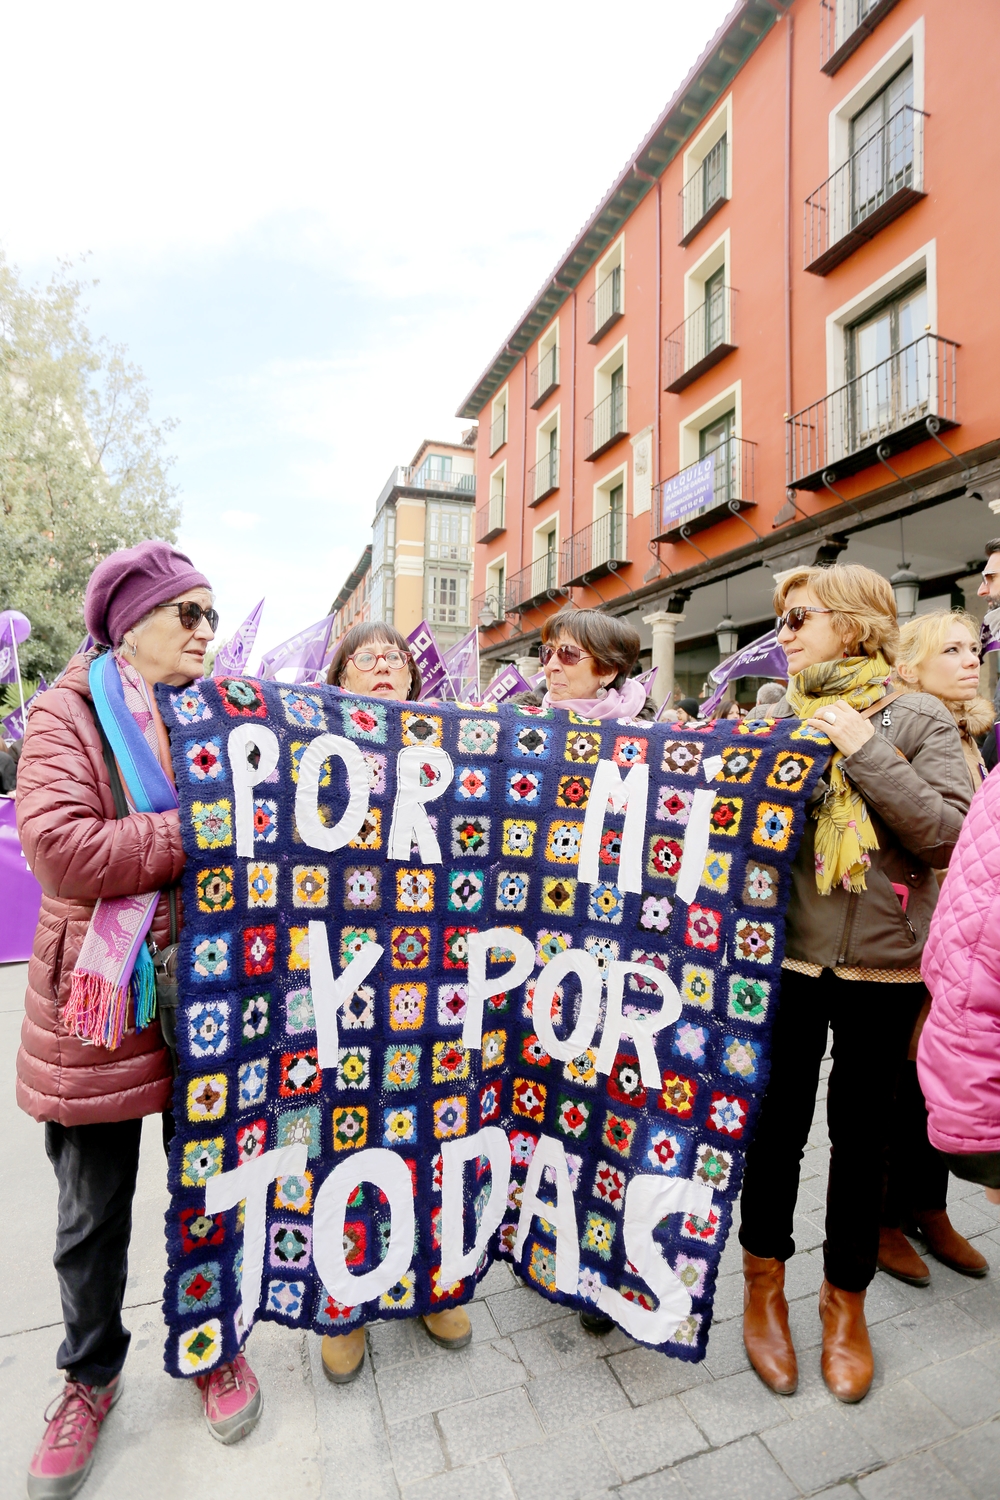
[[844, 726]]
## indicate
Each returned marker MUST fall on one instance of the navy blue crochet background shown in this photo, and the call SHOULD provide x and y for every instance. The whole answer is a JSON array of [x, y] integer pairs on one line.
[[509, 829]]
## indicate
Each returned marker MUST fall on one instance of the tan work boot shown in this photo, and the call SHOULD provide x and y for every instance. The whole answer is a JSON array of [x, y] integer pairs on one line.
[[848, 1364], [451, 1328], [766, 1334], [897, 1257], [343, 1355], [946, 1244]]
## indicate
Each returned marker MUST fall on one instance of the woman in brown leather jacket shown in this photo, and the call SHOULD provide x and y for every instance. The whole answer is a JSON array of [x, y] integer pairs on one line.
[[863, 889]]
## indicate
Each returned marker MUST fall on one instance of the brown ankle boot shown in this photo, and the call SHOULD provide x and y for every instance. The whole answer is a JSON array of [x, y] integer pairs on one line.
[[946, 1244], [897, 1257], [847, 1363], [766, 1334]]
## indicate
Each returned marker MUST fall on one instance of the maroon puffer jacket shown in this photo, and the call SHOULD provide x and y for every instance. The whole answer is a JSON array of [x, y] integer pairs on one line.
[[79, 852]]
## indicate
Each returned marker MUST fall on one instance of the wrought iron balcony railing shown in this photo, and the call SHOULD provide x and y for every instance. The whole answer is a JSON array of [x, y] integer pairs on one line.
[[538, 581], [544, 477], [606, 305], [843, 26], [894, 405], [432, 477], [705, 337], [719, 485], [882, 179], [606, 423], [544, 377], [498, 431], [704, 193], [599, 548], [491, 518]]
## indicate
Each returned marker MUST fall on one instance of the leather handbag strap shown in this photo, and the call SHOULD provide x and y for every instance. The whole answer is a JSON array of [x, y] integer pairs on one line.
[[876, 708]]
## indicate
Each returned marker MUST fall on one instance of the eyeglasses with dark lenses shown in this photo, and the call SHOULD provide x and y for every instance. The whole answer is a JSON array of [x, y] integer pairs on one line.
[[568, 655], [191, 614], [367, 661], [796, 618]]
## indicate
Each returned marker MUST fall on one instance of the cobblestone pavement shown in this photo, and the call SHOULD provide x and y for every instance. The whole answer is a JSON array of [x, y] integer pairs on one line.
[[536, 1407]]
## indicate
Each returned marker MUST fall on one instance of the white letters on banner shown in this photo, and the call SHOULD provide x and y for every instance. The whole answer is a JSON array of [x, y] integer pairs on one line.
[[307, 819], [421, 777], [562, 1215], [641, 1028], [482, 989], [242, 741], [251, 1181], [390, 1173], [329, 994], [630, 795], [491, 1142], [584, 965], [648, 1201]]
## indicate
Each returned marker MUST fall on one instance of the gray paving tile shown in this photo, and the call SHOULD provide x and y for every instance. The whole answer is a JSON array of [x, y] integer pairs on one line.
[[522, 1308], [974, 1458], [888, 1298], [741, 1471], [574, 1345], [981, 1303], [647, 1376], [943, 1330], [664, 1485], [534, 1351], [808, 1229], [423, 1385], [474, 1430], [965, 1388], [416, 1449], [392, 1343], [571, 1467], [804, 1274], [644, 1439], [899, 1419], [486, 1481], [821, 1448], [726, 1354], [919, 1477], [499, 1278], [732, 1408], [483, 1330], [728, 1300], [972, 1215], [572, 1397], [494, 1367], [803, 1320]]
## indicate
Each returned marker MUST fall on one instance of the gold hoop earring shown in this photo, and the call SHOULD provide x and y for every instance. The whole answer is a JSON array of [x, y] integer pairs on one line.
[[133, 647]]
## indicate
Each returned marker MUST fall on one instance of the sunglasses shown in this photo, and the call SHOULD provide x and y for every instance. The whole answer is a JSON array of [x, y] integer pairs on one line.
[[191, 614], [367, 661], [796, 618], [568, 655]]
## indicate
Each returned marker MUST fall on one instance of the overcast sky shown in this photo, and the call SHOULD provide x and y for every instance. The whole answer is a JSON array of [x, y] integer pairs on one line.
[[313, 225]]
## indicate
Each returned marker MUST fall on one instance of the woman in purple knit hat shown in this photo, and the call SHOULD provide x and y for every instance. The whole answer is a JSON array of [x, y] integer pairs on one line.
[[101, 832]]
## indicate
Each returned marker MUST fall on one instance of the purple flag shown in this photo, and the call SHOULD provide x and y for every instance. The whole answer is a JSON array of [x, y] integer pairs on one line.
[[989, 633], [507, 682], [462, 663], [14, 631], [13, 725], [22, 895], [762, 658], [430, 663], [304, 653], [232, 657]]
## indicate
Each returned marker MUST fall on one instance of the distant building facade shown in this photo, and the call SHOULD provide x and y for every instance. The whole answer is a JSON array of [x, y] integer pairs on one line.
[[351, 605]]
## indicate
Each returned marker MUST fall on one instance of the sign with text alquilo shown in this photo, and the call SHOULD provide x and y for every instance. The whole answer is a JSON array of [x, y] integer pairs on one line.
[[687, 492], [464, 983]]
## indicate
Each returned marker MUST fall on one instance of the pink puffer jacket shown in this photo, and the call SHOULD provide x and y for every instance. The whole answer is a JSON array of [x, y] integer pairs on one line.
[[959, 1055]]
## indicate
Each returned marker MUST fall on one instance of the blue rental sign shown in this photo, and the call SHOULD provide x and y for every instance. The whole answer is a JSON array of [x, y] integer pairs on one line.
[[688, 491]]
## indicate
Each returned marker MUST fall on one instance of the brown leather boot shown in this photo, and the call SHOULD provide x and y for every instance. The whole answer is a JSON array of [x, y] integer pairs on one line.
[[766, 1335], [897, 1257], [343, 1355], [847, 1363], [946, 1244]]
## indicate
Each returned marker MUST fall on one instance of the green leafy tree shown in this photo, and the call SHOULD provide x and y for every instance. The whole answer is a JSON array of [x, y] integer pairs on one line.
[[82, 464]]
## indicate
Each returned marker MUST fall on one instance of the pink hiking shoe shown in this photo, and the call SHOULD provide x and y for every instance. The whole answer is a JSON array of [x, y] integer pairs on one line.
[[232, 1399], [64, 1457]]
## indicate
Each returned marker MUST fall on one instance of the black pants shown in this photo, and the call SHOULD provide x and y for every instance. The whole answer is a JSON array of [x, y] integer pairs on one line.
[[917, 1178], [871, 1025], [96, 1167]]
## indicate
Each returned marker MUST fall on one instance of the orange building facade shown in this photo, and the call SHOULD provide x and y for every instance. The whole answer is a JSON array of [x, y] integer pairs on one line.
[[773, 343]]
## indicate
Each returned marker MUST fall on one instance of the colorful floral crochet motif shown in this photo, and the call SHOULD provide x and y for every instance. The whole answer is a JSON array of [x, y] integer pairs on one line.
[[502, 842]]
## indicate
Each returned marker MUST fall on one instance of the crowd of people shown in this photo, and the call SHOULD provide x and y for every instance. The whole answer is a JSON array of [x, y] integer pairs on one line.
[[901, 965]]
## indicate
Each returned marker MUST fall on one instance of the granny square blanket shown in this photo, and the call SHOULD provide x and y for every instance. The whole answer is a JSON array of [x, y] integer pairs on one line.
[[459, 983]]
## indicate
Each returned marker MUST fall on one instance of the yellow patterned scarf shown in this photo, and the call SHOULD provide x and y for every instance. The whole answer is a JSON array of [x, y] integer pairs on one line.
[[844, 832]]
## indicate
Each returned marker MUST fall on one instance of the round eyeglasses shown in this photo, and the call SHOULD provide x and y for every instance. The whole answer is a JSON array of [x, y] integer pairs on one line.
[[568, 655], [367, 661]]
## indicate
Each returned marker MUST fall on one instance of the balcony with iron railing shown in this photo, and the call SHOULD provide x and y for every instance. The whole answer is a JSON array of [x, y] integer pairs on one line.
[[490, 608], [705, 337], [544, 377], [896, 404], [606, 423], [491, 518], [543, 479], [435, 477], [498, 431], [719, 485], [704, 193], [538, 581], [843, 26], [880, 181], [605, 305], [598, 549]]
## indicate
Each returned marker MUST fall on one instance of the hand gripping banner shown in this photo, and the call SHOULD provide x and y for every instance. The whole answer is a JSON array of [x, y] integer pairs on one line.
[[460, 983]]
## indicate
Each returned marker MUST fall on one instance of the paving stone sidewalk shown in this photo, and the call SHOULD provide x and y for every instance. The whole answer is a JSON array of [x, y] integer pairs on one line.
[[536, 1407]]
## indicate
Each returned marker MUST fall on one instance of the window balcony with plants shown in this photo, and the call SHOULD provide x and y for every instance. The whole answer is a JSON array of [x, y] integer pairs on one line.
[[705, 337]]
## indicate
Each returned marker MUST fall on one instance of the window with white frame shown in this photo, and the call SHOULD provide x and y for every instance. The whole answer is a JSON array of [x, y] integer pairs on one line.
[[448, 531], [707, 174], [607, 304], [498, 421], [545, 375], [448, 596], [545, 474]]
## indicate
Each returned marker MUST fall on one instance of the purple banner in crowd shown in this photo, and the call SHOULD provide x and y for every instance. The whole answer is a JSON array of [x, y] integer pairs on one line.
[[306, 653], [762, 658], [430, 663], [13, 725], [462, 664], [232, 658], [14, 631], [505, 684], [20, 893]]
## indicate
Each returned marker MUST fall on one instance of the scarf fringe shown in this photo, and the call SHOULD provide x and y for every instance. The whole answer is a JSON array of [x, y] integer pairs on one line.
[[97, 1010]]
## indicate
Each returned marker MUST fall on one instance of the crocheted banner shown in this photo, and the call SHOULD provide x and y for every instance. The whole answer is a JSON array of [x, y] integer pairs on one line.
[[459, 983]]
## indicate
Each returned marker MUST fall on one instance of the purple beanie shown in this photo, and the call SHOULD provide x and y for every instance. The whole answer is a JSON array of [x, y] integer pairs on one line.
[[126, 586]]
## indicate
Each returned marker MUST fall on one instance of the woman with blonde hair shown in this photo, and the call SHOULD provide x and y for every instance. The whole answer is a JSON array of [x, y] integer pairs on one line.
[[888, 812], [938, 654]]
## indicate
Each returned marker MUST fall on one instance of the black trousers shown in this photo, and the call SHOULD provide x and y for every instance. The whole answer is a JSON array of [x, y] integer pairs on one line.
[[917, 1178], [96, 1167], [871, 1026]]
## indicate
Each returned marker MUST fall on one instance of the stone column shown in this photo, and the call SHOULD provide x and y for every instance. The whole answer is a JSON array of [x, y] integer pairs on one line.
[[664, 630], [528, 666]]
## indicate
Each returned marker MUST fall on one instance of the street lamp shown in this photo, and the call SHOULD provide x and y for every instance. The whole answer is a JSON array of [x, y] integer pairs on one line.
[[728, 638], [906, 588]]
